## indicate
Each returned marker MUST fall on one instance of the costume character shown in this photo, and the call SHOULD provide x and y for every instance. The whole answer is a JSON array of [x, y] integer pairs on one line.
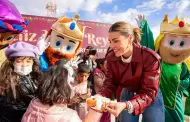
[[173, 45], [64, 40], [11, 24]]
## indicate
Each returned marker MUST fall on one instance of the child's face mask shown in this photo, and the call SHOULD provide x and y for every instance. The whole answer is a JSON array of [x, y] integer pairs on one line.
[[23, 70], [23, 65]]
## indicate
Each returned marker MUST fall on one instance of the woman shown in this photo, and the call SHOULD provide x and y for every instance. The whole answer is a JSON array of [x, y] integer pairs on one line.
[[18, 82], [137, 70]]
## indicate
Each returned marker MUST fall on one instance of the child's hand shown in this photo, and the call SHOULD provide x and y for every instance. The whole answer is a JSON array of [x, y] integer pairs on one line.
[[89, 91], [87, 95], [76, 100]]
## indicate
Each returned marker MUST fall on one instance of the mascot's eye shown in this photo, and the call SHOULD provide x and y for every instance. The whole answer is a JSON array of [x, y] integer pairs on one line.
[[58, 43], [68, 47], [9, 38], [182, 43], [172, 42]]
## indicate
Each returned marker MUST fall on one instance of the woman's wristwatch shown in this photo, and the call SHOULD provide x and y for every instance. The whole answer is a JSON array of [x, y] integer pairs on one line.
[[129, 107]]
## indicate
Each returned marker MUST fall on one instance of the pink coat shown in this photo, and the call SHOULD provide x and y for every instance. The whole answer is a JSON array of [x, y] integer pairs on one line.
[[37, 112]]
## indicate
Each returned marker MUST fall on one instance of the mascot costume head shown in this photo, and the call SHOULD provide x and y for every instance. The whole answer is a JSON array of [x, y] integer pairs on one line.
[[173, 45], [65, 40], [11, 24]]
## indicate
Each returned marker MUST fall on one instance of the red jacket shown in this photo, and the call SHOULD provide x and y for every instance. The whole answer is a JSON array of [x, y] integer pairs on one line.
[[140, 76]]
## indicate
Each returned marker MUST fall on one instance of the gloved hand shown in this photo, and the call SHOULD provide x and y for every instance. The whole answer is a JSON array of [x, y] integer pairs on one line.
[[139, 19], [71, 71], [74, 63], [43, 43]]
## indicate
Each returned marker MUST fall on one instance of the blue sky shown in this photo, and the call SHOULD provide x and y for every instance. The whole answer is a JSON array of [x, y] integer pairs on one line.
[[110, 11]]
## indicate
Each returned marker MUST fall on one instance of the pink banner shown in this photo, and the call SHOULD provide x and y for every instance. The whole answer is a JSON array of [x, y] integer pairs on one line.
[[96, 36]]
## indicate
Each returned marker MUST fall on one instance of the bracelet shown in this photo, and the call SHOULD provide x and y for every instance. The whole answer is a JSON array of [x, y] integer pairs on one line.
[[130, 108]]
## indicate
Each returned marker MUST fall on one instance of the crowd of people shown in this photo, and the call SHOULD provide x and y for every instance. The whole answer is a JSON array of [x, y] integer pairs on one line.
[[26, 89]]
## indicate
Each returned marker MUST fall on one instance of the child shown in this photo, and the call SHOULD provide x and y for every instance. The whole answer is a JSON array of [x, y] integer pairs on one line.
[[99, 77], [19, 75], [54, 94], [99, 73], [82, 90]]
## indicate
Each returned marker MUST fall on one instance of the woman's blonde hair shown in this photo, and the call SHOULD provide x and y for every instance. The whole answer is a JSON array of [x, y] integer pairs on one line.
[[126, 30]]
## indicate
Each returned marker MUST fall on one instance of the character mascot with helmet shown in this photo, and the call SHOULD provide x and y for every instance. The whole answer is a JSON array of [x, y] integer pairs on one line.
[[64, 40]]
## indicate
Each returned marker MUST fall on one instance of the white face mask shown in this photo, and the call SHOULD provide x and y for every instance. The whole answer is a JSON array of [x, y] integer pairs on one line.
[[23, 70]]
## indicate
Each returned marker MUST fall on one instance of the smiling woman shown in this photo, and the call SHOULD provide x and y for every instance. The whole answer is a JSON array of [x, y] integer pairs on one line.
[[135, 69]]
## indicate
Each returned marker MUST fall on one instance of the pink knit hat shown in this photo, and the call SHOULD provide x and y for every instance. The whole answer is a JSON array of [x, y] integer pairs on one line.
[[21, 49]]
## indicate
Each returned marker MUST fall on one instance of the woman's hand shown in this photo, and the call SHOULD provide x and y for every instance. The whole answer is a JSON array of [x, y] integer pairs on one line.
[[115, 108]]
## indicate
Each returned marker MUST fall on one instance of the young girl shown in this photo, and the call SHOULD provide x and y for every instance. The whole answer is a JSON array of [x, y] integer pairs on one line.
[[99, 73], [99, 77], [19, 75], [82, 90], [54, 94]]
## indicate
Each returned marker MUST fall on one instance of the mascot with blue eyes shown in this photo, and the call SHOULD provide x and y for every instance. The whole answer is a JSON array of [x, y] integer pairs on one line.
[[63, 41], [11, 24], [173, 45]]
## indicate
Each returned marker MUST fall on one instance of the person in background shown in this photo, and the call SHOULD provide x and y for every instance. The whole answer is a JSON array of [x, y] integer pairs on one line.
[[99, 77], [99, 73], [82, 90], [19, 76], [89, 59]]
